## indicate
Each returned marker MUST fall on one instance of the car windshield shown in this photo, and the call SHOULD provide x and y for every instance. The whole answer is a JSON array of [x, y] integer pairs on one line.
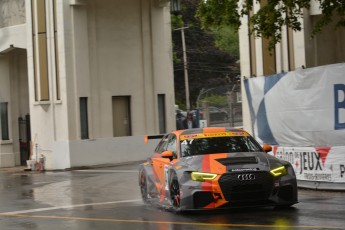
[[200, 146]]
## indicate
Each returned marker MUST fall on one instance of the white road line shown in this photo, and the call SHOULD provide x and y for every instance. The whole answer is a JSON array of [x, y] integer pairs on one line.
[[106, 170], [46, 182], [67, 207]]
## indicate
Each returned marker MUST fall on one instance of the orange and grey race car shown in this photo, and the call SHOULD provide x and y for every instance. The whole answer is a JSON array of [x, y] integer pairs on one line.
[[215, 167]]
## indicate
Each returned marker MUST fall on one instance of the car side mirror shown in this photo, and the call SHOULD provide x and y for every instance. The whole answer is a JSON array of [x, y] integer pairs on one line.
[[267, 148], [167, 154]]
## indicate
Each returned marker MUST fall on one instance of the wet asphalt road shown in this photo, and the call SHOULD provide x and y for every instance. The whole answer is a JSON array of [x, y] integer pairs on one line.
[[109, 198]]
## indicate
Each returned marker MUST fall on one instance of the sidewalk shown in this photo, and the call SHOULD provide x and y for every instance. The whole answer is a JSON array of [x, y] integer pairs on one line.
[[23, 168], [13, 169]]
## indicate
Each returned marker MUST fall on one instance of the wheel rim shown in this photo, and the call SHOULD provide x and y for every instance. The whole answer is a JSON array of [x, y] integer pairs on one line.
[[175, 192]]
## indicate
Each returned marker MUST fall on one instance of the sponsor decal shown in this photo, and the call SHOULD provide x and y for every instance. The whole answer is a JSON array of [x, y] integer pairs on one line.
[[323, 152], [184, 137], [215, 135], [339, 104], [244, 170], [220, 134], [318, 177], [304, 160], [342, 170], [315, 164], [310, 161]]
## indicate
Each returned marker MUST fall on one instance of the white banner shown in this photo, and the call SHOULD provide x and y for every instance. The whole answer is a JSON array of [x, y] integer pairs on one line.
[[323, 164], [302, 108]]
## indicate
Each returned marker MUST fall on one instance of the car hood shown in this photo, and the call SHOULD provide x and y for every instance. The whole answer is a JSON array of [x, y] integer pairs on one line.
[[231, 162]]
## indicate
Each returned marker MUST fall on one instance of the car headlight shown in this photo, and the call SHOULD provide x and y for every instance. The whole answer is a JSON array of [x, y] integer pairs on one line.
[[199, 176], [280, 171]]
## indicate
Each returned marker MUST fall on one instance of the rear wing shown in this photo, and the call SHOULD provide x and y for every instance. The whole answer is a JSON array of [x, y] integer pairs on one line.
[[149, 137]]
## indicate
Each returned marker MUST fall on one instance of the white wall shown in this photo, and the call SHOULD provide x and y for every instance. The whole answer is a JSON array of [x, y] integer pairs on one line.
[[327, 47], [245, 72], [128, 56], [13, 36], [94, 152]]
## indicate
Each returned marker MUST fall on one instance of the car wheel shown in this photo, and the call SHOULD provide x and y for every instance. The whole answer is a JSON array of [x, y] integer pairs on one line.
[[143, 187], [174, 187]]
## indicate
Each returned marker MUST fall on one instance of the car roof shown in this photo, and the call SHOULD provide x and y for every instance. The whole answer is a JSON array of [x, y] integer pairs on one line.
[[207, 130]]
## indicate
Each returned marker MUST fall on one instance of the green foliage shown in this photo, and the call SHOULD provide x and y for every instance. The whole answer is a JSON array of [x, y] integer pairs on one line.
[[217, 100], [180, 104], [269, 19], [176, 22], [226, 38], [208, 66]]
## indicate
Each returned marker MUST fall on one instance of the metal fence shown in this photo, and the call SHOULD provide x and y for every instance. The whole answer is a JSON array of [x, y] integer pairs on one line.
[[219, 106]]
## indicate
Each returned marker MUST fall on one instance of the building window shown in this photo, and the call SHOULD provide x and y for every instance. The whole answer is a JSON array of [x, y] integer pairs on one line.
[[161, 113], [57, 73], [40, 46], [268, 56], [291, 53], [84, 126], [252, 49], [4, 121]]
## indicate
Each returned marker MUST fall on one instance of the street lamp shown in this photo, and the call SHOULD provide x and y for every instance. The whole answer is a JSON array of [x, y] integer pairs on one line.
[[202, 92]]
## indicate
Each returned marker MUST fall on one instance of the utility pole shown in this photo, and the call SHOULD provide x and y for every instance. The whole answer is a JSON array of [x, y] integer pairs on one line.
[[185, 67]]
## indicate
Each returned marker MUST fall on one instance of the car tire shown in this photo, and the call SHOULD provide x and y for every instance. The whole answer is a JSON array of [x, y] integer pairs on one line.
[[143, 187], [174, 188]]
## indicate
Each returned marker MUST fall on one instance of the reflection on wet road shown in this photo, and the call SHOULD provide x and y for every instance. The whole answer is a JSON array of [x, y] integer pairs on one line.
[[109, 198]]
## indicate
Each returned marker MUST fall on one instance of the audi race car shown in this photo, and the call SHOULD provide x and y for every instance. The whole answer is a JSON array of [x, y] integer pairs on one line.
[[213, 168]]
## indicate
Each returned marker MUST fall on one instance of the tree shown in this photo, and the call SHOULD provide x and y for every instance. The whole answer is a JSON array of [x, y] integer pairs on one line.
[[208, 65], [227, 39], [273, 14]]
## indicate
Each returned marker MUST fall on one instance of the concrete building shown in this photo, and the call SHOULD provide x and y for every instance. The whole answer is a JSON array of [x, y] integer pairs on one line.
[[296, 50], [83, 80]]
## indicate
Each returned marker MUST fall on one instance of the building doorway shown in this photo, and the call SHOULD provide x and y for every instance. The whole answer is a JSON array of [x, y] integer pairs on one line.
[[121, 116]]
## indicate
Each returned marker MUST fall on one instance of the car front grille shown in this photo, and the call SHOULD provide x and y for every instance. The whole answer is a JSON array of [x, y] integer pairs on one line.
[[254, 190]]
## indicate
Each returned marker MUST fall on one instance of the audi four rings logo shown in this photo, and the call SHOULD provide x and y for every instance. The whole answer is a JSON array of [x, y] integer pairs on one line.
[[244, 177]]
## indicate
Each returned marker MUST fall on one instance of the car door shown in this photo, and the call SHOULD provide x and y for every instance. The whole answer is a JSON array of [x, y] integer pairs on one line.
[[162, 165]]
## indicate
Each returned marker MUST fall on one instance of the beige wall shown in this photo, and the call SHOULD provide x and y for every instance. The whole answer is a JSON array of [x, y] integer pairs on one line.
[[14, 90], [12, 12], [12, 60], [106, 48], [328, 47], [96, 49]]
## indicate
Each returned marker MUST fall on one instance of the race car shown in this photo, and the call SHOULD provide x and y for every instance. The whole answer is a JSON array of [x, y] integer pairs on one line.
[[214, 168]]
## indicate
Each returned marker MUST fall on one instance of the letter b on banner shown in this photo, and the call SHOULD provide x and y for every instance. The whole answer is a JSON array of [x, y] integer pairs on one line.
[[339, 105]]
